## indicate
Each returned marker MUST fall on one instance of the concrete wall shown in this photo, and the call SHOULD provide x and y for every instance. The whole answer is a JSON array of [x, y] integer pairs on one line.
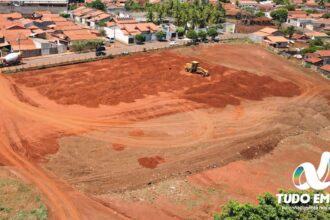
[[256, 38], [28, 10]]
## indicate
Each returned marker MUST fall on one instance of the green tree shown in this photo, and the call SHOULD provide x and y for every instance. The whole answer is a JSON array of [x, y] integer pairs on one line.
[[212, 32], [316, 42], [322, 2], [82, 45], [97, 4], [289, 31], [64, 15], [180, 31], [150, 15], [326, 15], [198, 13], [101, 23], [260, 14], [130, 5], [269, 208], [191, 34], [161, 35], [139, 38], [279, 15], [202, 34]]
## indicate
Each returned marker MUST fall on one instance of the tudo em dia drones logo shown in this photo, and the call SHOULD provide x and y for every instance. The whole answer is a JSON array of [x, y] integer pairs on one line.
[[316, 179]]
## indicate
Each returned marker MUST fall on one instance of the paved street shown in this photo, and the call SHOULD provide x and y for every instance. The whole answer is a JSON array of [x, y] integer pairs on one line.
[[117, 49], [76, 57]]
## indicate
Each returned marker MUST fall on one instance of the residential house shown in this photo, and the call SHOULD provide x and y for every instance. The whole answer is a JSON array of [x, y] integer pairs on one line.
[[276, 41], [319, 24], [36, 3], [260, 35], [78, 35], [298, 18], [90, 17], [311, 4], [326, 70], [231, 9], [324, 55], [315, 35], [46, 47], [248, 4], [124, 29], [170, 30], [313, 62]]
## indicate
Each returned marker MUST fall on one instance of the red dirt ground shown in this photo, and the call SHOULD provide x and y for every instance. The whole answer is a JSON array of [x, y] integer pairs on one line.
[[139, 77], [237, 120], [150, 162], [118, 147], [136, 133], [246, 29]]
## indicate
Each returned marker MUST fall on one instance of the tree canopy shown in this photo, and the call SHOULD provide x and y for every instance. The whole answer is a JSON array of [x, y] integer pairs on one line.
[[198, 13], [161, 35], [139, 38], [289, 31], [191, 34], [279, 15], [97, 4], [269, 208], [212, 32]]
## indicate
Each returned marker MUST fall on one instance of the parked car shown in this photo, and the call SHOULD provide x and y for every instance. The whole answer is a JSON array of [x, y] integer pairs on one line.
[[173, 43], [110, 39], [100, 51], [216, 39]]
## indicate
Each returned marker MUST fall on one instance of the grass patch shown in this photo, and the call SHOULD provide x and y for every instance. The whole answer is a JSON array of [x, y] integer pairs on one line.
[[19, 200]]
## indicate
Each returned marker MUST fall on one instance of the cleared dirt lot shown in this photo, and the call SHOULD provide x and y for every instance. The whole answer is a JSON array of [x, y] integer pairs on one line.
[[137, 137]]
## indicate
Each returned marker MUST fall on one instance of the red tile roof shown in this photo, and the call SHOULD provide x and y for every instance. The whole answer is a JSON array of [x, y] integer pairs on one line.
[[79, 35], [134, 29], [326, 68], [323, 53], [313, 60]]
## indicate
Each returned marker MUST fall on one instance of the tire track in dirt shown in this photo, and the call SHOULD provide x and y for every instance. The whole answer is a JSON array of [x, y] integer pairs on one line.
[[204, 128]]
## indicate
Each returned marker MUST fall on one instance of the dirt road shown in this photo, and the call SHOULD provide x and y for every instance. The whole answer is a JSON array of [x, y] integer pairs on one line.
[[95, 137]]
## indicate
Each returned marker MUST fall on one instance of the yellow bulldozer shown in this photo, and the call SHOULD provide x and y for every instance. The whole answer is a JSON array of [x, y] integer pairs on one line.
[[194, 67]]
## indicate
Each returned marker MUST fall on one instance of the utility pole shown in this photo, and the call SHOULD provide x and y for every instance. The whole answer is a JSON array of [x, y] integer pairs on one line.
[[18, 40]]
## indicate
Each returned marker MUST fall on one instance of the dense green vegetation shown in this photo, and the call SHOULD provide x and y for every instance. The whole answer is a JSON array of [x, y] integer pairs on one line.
[[269, 209], [97, 4], [199, 13], [82, 45], [279, 15], [161, 35], [64, 15], [139, 38], [289, 31]]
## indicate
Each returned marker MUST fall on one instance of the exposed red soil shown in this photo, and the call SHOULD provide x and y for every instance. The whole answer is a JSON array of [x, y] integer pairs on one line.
[[136, 133], [328, 97], [139, 77], [241, 85], [150, 162], [197, 139], [92, 85], [246, 29], [118, 147]]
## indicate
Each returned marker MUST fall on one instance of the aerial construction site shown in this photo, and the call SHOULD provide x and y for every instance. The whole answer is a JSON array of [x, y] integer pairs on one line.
[[169, 134]]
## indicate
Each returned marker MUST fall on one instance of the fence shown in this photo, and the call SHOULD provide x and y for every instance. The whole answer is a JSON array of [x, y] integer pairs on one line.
[[66, 59]]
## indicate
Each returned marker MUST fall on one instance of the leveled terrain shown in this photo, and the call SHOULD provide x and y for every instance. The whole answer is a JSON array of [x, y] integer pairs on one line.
[[137, 137]]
